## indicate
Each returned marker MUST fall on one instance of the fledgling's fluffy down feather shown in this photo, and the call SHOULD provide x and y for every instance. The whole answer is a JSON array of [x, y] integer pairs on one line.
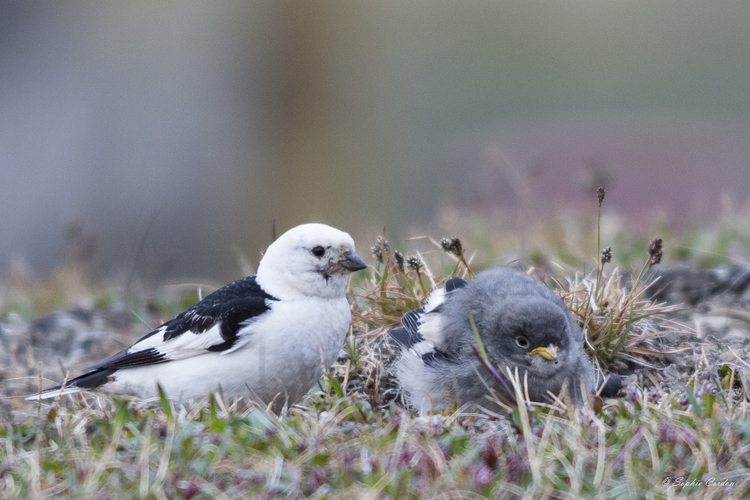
[[521, 323], [264, 336]]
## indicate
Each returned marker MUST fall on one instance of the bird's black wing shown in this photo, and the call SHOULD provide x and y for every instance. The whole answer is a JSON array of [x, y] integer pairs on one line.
[[211, 325], [410, 322], [409, 336], [403, 337]]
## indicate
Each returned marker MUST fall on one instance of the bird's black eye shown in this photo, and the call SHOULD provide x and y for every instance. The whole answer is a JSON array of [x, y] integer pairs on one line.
[[522, 342], [318, 251]]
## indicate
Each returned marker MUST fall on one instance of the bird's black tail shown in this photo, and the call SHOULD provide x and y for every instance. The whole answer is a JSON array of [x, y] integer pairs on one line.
[[91, 380]]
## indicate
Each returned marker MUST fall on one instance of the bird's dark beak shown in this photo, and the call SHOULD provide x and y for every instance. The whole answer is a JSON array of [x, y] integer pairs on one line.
[[351, 261], [549, 353]]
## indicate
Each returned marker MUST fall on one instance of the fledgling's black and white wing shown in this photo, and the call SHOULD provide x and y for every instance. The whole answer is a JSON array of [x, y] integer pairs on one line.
[[218, 323], [421, 334]]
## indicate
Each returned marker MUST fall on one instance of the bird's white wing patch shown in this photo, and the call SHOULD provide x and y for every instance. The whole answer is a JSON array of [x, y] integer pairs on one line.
[[151, 342], [185, 345], [430, 329], [436, 298]]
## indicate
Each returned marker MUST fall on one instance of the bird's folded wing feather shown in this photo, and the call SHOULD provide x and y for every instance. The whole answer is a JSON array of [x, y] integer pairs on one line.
[[215, 324], [412, 320], [419, 324]]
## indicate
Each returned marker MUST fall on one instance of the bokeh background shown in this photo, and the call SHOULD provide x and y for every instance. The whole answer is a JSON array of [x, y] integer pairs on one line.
[[162, 139]]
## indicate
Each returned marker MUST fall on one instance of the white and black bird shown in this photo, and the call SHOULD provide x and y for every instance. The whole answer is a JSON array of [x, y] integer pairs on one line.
[[265, 336], [521, 323]]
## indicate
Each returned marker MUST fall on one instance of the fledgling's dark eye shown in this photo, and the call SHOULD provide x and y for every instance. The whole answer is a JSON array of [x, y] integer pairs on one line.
[[318, 251], [522, 342]]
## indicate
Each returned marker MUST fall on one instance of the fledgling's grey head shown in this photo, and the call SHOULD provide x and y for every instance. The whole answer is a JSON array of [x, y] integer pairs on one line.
[[520, 321], [309, 260]]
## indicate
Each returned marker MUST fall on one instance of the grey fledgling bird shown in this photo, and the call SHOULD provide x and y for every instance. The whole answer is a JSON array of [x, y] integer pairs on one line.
[[520, 322]]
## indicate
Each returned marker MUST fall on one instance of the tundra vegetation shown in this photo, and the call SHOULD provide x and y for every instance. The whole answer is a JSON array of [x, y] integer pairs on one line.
[[668, 312]]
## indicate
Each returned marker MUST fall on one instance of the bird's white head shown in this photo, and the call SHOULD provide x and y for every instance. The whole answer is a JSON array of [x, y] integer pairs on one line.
[[309, 260]]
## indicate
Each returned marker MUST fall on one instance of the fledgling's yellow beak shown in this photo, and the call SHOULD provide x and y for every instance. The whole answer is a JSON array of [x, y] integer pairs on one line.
[[549, 353]]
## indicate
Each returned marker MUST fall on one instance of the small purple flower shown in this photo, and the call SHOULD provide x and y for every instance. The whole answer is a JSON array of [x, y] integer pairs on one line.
[[369, 462], [489, 455], [653, 395], [425, 466], [347, 457], [315, 478], [631, 394], [667, 435], [683, 401], [515, 463], [406, 456], [188, 489], [481, 475]]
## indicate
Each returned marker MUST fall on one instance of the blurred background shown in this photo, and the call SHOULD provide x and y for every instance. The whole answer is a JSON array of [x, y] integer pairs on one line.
[[160, 140]]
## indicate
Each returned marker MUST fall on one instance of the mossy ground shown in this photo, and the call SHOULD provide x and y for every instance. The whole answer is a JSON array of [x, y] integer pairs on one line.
[[680, 428]]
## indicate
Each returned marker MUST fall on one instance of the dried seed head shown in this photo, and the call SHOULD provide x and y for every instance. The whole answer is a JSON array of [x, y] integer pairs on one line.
[[452, 245], [600, 194], [413, 262], [380, 248], [399, 260], [377, 252], [655, 252], [606, 255]]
